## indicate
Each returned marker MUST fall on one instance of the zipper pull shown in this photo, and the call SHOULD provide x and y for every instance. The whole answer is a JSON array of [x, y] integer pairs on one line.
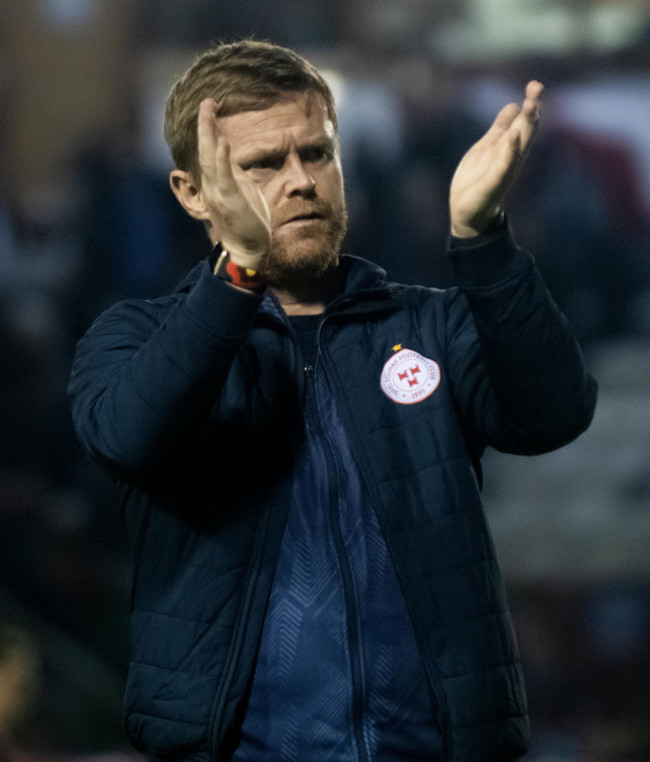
[[309, 370]]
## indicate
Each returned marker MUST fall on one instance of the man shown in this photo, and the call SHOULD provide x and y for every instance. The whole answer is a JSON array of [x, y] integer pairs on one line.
[[297, 445]]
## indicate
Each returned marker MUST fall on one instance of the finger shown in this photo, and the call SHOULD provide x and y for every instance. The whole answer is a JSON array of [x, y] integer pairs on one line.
[[532, 105], [237, 195], [506, 162], [207, 136], [527, 121], [512, 155], [512, 115], [502, 123], [226, 179]]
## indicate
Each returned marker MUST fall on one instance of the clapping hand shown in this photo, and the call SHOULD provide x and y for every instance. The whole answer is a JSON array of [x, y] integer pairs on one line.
[[222, 196], [237, 209], [491, 165]]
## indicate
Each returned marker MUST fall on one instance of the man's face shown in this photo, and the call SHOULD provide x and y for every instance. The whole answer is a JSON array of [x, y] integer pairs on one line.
[[290, 152]]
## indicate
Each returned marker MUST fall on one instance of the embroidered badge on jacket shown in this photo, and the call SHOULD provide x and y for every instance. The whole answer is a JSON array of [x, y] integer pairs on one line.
[[408, 377]]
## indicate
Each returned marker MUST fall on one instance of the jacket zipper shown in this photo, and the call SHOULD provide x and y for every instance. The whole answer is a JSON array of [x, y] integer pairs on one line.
[[353, 624], [430, 668], [234, 652]]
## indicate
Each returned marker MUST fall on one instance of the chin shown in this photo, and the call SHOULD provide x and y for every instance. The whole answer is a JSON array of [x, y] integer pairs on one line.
[[308, 255], [301, 266]]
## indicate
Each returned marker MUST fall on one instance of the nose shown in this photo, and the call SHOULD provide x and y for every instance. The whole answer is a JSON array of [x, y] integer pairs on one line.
[[299, 181]]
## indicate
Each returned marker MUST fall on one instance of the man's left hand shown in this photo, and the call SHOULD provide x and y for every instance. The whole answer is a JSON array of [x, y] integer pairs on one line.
[[489, 168]]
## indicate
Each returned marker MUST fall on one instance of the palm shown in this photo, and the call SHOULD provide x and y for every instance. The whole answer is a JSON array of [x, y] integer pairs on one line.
[[489, 168], [237, 207]]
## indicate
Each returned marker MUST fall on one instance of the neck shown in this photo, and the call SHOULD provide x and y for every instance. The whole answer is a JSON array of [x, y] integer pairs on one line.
[[301, 308], [309, 298]]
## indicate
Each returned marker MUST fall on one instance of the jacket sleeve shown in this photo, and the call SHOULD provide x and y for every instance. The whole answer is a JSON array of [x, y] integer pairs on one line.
[[517, 372], [147, 374]]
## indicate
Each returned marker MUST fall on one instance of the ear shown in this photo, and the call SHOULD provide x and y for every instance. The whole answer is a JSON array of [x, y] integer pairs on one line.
[[188, 194]]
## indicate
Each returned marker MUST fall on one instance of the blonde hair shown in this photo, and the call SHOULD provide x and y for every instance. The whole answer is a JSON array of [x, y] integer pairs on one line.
[[247, 75]]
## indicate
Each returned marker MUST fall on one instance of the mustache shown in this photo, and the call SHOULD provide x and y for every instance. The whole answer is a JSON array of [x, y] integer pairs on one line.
[[302, 208]]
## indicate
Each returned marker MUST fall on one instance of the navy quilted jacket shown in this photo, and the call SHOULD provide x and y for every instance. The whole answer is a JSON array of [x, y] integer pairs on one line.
[[193, 404]]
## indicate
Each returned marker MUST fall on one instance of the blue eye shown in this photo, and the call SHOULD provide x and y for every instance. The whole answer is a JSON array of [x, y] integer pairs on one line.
[[317, 154], [270, 162]]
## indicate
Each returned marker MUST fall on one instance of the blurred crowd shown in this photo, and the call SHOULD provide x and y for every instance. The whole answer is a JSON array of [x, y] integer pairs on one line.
[[114, 231]]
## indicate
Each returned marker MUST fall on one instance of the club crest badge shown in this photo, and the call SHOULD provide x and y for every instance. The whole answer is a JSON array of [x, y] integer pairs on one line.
[[408, 377]]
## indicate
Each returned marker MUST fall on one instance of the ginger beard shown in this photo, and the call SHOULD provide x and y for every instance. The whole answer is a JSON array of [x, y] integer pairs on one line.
[[306, 251]]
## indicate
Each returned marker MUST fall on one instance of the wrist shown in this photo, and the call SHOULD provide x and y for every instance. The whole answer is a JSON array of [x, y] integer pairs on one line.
[[479, 228], [254, 260], [242, 276]]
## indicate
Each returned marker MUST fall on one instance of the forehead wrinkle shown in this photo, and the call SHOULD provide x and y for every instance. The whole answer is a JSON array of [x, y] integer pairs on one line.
[[291, 122]]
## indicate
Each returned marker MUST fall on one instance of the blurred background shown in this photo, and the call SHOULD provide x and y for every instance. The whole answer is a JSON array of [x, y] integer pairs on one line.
[[86, 218]]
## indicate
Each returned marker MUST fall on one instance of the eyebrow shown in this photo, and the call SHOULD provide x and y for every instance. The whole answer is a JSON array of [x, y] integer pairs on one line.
[[250, 161], [325, 143]]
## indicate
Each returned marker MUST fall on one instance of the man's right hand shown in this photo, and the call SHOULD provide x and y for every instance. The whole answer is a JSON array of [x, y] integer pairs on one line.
[[238, 211]]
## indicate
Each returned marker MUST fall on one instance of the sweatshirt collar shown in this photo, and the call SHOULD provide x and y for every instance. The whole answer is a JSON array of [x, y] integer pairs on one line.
[[365, 290]]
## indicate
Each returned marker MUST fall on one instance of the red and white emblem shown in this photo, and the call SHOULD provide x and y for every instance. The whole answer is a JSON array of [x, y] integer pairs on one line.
[[408, 377]]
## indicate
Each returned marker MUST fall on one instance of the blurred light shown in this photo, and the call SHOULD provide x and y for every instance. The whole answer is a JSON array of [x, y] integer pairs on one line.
[[68, 13], [613, 28], [499, 29]]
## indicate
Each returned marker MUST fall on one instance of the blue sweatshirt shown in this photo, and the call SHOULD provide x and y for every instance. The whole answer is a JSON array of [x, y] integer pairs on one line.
[[338, 675]]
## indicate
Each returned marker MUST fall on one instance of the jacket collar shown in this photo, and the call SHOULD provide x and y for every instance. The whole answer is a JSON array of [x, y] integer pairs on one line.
[[365, 290]]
